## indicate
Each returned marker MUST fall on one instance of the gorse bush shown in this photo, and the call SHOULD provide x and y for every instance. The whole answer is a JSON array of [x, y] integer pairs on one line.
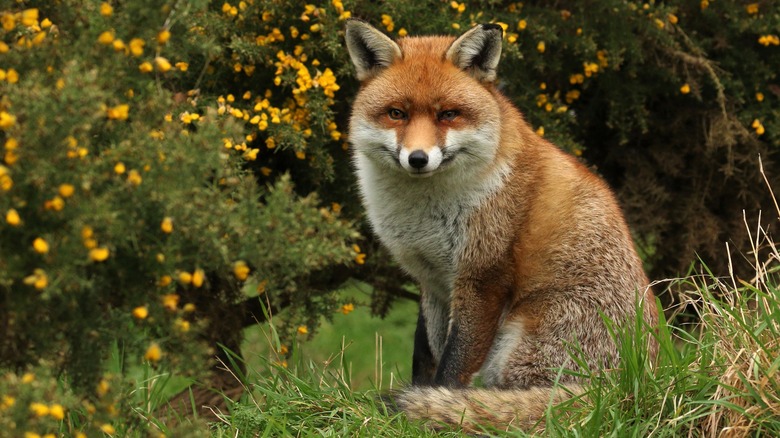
[[172, 169], [132, 210]]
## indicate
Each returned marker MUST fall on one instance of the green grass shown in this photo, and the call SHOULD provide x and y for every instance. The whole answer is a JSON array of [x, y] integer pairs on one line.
[[373, 351]]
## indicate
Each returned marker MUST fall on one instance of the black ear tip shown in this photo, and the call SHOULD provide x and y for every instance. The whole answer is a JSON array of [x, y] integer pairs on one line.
[[492, 26]]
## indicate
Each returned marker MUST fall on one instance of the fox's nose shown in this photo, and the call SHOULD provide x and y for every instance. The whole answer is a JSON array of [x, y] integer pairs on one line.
[[418, 159]]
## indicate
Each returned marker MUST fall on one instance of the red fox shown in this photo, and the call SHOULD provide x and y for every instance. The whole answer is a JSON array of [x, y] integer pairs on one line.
[[519, 250]]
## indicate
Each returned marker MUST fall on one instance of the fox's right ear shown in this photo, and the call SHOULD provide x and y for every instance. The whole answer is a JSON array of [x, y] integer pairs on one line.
[[370, 50]]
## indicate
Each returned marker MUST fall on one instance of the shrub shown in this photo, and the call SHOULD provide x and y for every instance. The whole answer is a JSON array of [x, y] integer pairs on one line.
[[139, 210]]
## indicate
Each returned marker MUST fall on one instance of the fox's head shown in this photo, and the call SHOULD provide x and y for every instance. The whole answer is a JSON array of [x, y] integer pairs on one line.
[[426, 103]]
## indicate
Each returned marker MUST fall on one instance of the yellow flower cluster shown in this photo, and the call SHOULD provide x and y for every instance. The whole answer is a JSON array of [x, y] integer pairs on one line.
[[360, 258], [347, 308], [339, 6], [34, 32], [387, 22], [460, 7], [769, 40], [758, 127]]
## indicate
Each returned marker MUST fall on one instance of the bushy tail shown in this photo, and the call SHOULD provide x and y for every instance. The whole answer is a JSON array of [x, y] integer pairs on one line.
[[471, 407]]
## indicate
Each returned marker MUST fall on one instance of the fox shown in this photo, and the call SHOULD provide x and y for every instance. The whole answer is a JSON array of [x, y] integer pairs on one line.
[[519, 250]]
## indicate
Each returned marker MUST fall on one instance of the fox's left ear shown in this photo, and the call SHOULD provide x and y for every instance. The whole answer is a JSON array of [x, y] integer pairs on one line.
[[478, 51]]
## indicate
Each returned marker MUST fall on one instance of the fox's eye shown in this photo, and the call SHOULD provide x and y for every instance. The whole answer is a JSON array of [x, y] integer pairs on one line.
[[396, 114], [448, 116]]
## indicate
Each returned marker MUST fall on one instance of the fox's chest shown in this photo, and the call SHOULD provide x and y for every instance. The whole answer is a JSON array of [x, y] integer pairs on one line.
[[425, 230], [426, 237]]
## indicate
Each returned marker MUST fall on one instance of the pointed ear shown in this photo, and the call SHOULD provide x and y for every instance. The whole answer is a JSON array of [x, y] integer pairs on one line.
[[478, 51], [370, 50]]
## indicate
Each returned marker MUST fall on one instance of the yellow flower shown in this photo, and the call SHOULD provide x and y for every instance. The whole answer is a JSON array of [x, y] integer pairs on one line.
[[540, 131], [31, 435], [182, 324], [182, 66], [185, 277], [39, 409], [40, 246], [189, 308], [119, 45], [4, 47], [134, 178], [522, 24], [12, 218], [251, 154], [685, 89], [109, 429], [57, 411], [752, 8], [163, 37], [106, 37], [6, 120], [119, 112], [360, 259], [102, 387], [140, 312], [137, 47], [153, 353], [8, 402], [167, 225], [197, 277], [672, 18], [66, 190], [659, 23], [28, 378], [12, 76], [241, 270], [106, 9], [165, 280], [162, 64], [30, 17], [402, 32], [347, 308], [8, 21], [541, 47], [302, 330], [99, 254]]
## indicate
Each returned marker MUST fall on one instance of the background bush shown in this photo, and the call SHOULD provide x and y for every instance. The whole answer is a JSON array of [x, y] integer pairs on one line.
[[171, 168]]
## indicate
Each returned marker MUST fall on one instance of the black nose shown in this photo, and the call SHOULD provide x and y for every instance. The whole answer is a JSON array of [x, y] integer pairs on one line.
[[418, 159]]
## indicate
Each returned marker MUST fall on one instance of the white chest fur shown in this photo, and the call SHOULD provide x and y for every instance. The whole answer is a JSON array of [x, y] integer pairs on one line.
[[423, 221]]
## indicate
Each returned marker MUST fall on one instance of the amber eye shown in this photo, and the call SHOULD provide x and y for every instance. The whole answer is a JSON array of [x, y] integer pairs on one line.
[[448, 116], [396, 114]]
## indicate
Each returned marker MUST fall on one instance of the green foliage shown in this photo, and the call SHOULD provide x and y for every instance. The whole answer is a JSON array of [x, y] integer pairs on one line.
[[133, 211]]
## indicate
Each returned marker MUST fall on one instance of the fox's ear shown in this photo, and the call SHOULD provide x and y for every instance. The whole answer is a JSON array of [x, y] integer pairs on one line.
[[478, 51], [370, 50]]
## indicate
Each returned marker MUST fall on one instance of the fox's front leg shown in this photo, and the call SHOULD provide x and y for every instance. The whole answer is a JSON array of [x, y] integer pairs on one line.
[[476, 311], [429, 339]]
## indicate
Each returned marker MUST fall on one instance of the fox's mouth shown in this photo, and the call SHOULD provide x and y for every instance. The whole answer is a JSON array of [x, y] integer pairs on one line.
[[420, 173]]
